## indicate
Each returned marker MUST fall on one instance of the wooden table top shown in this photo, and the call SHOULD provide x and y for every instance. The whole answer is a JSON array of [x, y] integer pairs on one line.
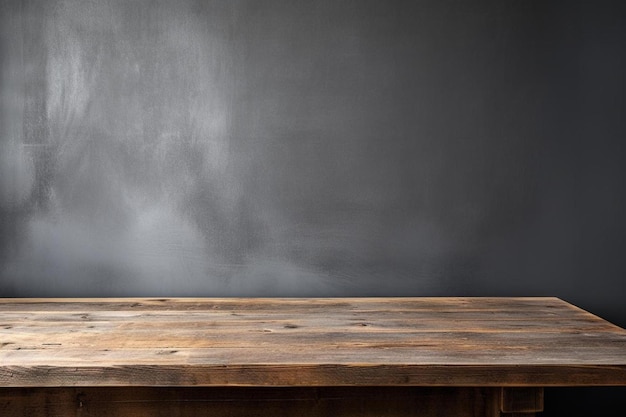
[[307, 342]]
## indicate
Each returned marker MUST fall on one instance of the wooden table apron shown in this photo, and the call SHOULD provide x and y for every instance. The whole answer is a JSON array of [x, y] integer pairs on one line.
[[299, 356]]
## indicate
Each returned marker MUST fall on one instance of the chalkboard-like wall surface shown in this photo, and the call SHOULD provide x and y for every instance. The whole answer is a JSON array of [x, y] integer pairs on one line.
[[315, 148]]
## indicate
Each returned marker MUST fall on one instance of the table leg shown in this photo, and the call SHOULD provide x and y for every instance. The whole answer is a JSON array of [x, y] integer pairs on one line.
[[520, 401]]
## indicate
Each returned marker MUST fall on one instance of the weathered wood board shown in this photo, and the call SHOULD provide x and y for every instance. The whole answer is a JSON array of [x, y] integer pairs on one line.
[[307, 342]]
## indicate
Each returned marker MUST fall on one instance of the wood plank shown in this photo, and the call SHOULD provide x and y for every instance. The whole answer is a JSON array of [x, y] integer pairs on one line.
[[361, 304], [461, 349], [301, 374]]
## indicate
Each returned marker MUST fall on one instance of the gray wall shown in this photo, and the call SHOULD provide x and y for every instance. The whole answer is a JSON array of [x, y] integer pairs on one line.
[[315, 148]]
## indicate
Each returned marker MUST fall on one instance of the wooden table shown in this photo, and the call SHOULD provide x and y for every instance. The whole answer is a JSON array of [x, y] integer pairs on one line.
[[301, 357]]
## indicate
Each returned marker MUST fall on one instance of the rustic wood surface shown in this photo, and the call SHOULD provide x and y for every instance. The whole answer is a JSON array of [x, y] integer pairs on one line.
[[472, 342]]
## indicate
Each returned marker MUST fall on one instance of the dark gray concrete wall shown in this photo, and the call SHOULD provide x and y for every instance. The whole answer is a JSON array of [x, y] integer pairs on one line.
[[314, 148]]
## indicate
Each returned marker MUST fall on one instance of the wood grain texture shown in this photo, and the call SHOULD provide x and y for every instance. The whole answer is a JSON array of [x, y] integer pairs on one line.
[[478, 341]]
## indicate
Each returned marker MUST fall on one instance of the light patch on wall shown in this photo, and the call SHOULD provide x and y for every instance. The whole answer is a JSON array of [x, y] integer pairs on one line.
[[146, 189], [17, 176]]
